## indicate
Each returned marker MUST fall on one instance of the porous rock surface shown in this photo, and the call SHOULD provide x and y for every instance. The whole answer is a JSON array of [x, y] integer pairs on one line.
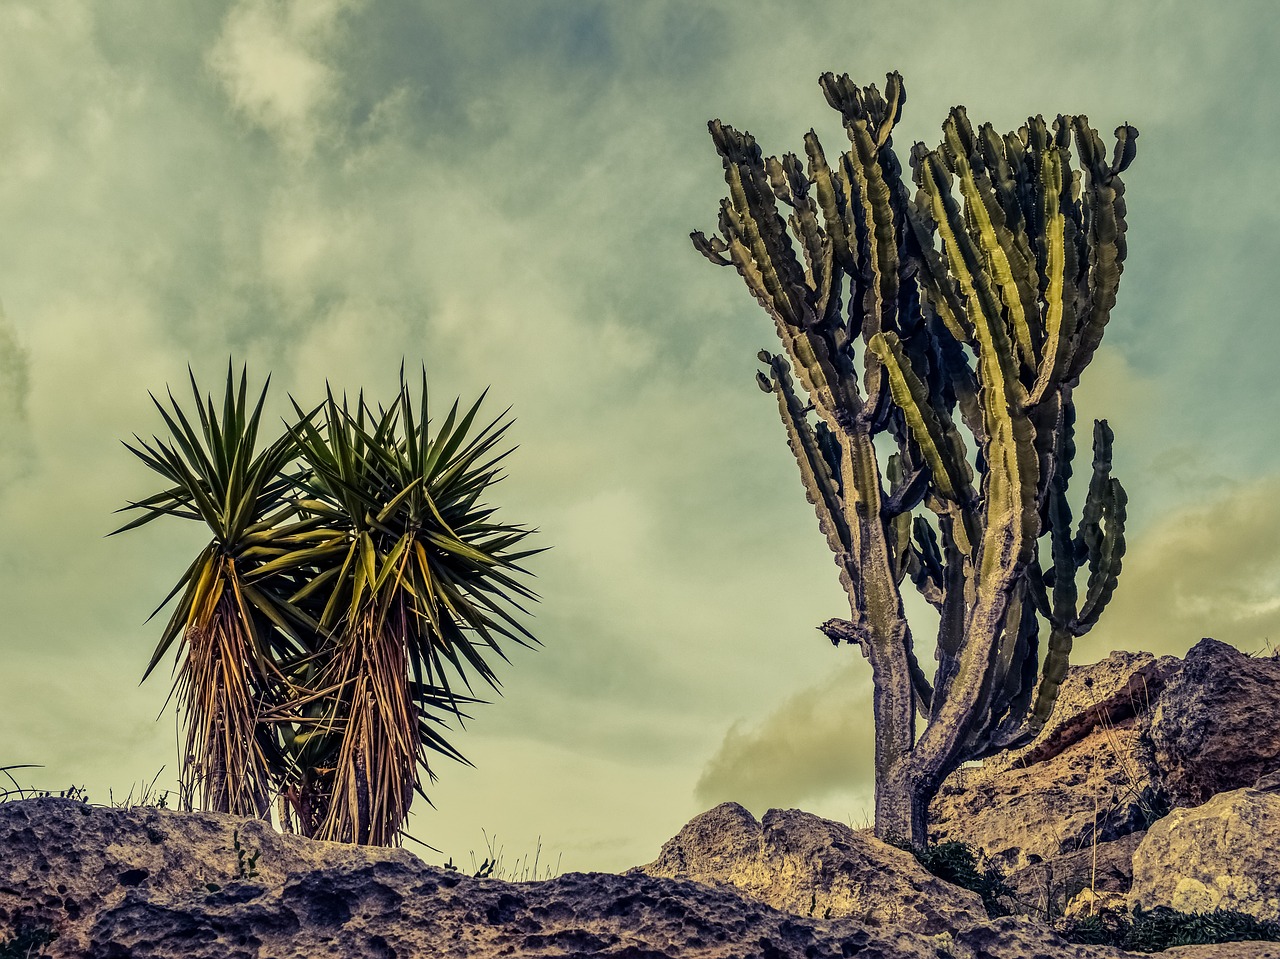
[[1090, 773], [1213, 729], [810, 866], [1045, 889], [1224, 950], [1221, 854], [136, 884]]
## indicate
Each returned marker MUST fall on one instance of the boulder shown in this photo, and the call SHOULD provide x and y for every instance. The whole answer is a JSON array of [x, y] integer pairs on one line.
[[1091, 902], [1045, 889], [1109, 691], [66, 861], [803, 864], [154, 884], [1206, 723], [1088, 777], [1218, 855]]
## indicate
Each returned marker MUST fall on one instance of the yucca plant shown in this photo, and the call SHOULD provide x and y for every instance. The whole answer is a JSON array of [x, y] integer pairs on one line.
[[353, 578], [235, 635], [423, 593]]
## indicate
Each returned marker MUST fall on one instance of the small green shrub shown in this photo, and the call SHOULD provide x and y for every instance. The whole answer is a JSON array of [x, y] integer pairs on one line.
[[1106, 928], [959, 863], [1162, 928]]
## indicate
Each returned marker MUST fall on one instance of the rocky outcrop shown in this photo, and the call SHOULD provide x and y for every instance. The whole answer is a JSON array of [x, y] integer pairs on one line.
[[1046, 888], [1132, 737], [1088, 777], [1213, 728], [1218, 855], [803, 864], [1109, 691], [148, 883]]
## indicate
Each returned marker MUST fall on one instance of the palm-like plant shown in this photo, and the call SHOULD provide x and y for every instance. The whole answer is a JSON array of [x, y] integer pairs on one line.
[[235, 635], [425, 590], [325, 626]]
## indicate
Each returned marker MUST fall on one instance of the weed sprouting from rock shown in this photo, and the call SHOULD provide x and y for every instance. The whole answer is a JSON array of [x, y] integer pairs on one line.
[[246, 865]]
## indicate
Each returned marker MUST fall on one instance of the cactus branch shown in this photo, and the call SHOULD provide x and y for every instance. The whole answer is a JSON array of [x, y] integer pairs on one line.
[[986, 293]]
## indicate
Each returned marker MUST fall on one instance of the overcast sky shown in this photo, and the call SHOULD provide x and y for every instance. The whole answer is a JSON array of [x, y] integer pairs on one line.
[[503, 190]]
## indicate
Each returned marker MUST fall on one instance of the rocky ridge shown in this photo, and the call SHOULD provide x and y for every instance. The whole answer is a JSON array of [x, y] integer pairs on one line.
[[800, 863], [1142, 791], [151, 883]]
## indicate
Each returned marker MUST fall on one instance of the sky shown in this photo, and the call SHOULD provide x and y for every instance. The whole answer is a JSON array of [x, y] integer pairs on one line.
[[503, 190]]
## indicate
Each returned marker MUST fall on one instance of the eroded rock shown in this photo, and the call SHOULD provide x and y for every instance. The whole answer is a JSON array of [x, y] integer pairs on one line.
[[810, 866], [1213, 727], [80, 869], [1089, 776], [1218, 855], [64, 861], [1045, 889]]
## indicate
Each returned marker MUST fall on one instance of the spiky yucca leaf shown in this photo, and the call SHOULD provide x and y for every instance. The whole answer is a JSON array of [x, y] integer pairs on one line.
[[228, 673], [424, 593]]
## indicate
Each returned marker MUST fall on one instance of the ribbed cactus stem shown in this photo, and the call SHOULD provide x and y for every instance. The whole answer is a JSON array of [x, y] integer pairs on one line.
[[975, 304]]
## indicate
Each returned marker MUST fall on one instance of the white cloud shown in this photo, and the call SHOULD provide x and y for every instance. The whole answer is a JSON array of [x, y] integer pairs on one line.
[[273, 59], [1211, 568], [513, 209]]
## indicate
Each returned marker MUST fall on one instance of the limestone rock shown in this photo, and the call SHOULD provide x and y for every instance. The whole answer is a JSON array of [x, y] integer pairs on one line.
[[1225, 950], [1205, 726], [1106, 692], [1019, 812], [1036, 804], [1089, 902], [1218, 855], [135, 884], [803, 864], [1045, 889], [65, 861]]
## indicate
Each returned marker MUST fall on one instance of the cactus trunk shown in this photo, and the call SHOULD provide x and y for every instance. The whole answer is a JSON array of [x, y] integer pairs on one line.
[[902, 807], [978, 303]]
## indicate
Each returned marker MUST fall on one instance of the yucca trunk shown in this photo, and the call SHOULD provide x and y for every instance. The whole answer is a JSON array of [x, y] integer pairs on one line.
[[377, 759], [221, 698]]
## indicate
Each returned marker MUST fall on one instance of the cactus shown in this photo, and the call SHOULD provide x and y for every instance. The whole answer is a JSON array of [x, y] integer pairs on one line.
[[978, 302]]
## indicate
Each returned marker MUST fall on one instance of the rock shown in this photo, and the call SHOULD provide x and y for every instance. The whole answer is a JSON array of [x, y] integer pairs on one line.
[[1045, 889], [1225, 950], [1218, 855], [1090, 902], [1205, 725], [1038, 804], [803, 864], [1109, 691], [1018, 817], [66, 860], [131, 884]]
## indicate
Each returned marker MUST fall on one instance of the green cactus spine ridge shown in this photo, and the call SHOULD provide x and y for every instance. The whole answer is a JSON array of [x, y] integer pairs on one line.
[[973, 305]]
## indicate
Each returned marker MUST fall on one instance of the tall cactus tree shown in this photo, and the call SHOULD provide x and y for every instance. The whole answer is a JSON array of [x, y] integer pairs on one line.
[[971, 307]]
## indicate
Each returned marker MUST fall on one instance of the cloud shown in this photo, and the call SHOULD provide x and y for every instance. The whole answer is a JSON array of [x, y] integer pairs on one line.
[[817, 743], [272, 59], [1210, 569], [505, 191], [15, 386], [1207, 570]]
